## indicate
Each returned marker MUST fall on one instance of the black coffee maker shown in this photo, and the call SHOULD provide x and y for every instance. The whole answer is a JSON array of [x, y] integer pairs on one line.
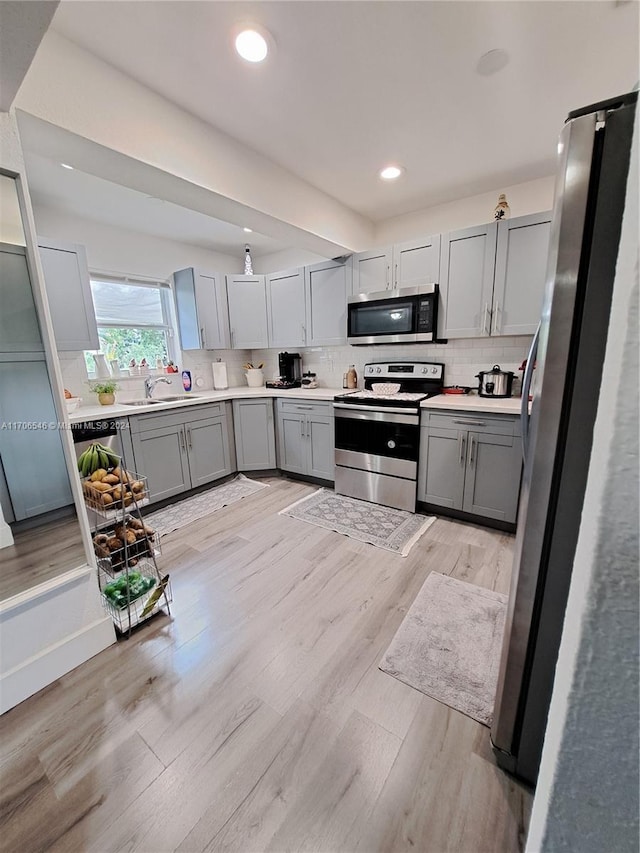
[[290, 370]]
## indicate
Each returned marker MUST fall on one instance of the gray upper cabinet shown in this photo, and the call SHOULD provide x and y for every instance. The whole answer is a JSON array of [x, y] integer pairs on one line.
[[286, 316], [247, 297], [521, 267], [66, 277], [19, 329], [254, 431], [372, 270], [466, 282], [201, 309], [33, 460], [327, 286], [417, 262]]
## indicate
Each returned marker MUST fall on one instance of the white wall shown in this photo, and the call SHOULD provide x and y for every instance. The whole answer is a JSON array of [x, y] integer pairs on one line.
[[528, 197], [185, 157], [285, 260], [587, 795], [121, 250]]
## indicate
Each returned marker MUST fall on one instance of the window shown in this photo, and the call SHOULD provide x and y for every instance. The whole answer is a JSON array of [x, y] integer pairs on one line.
[[134, 320]]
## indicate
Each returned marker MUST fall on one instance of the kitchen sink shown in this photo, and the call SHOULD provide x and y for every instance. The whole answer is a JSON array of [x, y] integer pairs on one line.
[[176, 398]]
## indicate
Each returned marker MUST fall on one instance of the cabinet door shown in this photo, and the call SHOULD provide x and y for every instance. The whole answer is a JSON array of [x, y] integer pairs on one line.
[[33, 459], [320, 447], [255, 434], [247, 311], [19, 329], [292, 443], [208, 450], [521, 269], [492, 483], [466, 282], [441, 468], [286, 316], [327, 286], [189, 325], [417, 262], [372, 271], [66, 278], [201, 309], [161, 456]]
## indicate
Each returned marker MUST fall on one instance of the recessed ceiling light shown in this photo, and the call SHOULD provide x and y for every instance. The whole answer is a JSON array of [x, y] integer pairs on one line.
[[390, 173], [248, 230], [251, 45], [492, 62], [66, 166]]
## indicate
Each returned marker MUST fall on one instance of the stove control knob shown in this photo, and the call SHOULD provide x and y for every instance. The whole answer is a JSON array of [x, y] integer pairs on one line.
[[391, 444], [425, 369], [434, 369], [378, 370]]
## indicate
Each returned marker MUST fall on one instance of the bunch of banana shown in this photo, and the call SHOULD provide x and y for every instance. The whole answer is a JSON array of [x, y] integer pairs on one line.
[[96, 457]]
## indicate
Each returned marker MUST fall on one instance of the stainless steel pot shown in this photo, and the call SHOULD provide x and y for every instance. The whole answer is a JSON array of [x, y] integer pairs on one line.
[[495, 382]]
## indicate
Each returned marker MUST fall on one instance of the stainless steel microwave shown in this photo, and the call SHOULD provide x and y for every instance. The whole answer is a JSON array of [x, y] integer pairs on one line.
[[404, 316]]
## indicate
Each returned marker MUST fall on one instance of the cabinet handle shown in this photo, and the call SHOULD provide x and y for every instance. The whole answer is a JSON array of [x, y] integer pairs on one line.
[[496, 325], [304, 333], [302, 429], [387, 283], [395, 276], [471, 423], [472, 442], [233, 338], [189, 438], [182, 445], [304, 408], [486, 327], [462, 441], [202, 339]]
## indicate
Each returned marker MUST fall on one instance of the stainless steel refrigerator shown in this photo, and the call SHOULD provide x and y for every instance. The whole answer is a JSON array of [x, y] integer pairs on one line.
[[593, 162]]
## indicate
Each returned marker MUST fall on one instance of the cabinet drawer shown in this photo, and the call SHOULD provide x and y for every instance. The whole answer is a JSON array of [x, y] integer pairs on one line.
[[185, 414], [305, 407], [478, 422]]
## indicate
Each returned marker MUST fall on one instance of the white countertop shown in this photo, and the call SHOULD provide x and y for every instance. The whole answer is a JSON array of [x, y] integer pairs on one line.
[[120, 410], [473, 403]]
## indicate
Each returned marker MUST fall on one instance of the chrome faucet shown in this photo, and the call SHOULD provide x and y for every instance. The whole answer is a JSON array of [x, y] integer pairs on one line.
[[150, 384]]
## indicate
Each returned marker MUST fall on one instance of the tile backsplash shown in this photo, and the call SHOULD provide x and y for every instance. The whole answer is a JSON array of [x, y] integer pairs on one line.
[[463, 358]]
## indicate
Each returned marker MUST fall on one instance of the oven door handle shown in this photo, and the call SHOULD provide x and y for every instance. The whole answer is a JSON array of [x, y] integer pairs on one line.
[[373, 413]]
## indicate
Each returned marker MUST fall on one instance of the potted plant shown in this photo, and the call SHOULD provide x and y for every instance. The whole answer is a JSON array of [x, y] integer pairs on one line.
[[105, 391]]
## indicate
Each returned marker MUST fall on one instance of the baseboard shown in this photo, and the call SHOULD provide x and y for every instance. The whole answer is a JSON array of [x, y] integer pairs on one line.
[[53, 662]]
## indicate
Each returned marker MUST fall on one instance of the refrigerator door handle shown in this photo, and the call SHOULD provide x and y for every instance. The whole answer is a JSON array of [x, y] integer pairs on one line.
[[526, 387]]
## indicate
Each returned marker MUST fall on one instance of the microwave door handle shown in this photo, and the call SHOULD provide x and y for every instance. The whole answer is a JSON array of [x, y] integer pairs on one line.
[[526, 385]]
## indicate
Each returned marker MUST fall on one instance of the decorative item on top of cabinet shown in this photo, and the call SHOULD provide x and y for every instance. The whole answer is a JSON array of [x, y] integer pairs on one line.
[[327, 286], [66, 278], [201, 309], [247, 298], [502, 211]]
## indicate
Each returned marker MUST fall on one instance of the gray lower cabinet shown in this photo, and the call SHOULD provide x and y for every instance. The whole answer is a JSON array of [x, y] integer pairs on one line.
[[254, 431], [472, 464], [306, 439], [184, 449]]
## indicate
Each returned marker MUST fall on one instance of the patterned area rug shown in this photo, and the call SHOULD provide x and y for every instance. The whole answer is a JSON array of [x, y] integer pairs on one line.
[[449, 644], [177, 515], [392, 529]]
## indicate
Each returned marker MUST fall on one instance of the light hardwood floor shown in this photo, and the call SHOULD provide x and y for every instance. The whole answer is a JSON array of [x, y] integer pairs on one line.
[[256, 719], [40, 554]]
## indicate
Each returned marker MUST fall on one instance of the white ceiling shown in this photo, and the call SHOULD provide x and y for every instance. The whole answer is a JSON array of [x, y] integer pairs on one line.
[[85, 195], [353, 85]]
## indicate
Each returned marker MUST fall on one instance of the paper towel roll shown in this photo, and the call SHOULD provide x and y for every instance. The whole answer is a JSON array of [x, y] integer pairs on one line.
[[220, 380]]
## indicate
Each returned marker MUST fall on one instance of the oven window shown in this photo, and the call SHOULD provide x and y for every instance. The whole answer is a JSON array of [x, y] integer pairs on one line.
[[381, 318], [380, 438]]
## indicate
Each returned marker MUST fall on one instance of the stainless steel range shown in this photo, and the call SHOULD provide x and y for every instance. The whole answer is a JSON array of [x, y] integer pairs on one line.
[[377, 435]]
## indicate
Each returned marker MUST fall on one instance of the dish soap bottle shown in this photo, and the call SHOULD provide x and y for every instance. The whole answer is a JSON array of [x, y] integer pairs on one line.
[[352, 377]]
